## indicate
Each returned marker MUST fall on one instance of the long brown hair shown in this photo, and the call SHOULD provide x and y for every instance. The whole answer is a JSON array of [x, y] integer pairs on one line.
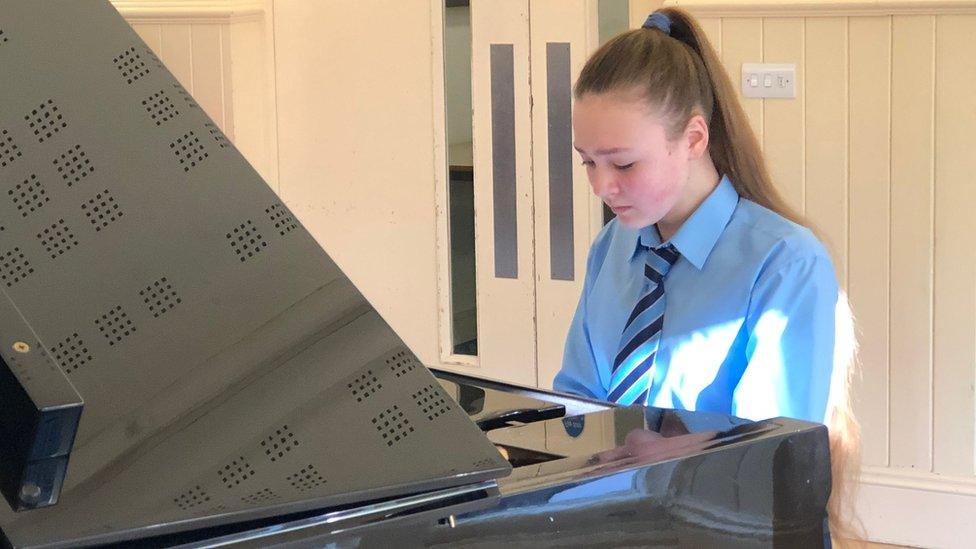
[[679, 74]]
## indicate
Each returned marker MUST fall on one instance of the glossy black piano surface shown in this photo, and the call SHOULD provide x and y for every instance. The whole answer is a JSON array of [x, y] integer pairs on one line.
[[239, 389]]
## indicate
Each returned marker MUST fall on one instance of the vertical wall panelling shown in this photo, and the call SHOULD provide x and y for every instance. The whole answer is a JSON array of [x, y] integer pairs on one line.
[[207, 73], [870, 62], [713, 30], [150, 34], [558, 26], [910, 344], [206, 70], [358, 168], [782, 135], [825, 134], [742, 43], [955, 253], [506, 306], [176, 51]]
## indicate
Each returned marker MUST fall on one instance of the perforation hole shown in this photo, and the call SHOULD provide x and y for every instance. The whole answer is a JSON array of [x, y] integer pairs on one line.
[[246, 241], [181, 91], [72, 353], [217, 135], [131, 65], [14, 267], [364, 385], [9, 151], [3, 37], [102, 210], [235, 472], [57, 239], [115, 325], [279, 443], [160, 297], [73, 165], [192, 497], [160, 107], [282, 219], [28, 196], [401, 363], [260, 496], [45, 120], [431, 401], [306, 479], [189, 151], [392, 425]]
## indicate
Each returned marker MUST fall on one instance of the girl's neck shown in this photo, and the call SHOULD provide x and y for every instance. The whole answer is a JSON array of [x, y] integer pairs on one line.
[[702, 180]]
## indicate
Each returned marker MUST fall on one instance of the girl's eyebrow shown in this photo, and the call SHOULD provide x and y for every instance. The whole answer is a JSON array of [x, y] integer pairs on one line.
[[601, 152]]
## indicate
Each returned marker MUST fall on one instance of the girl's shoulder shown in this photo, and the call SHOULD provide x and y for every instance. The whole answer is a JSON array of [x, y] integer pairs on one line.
[[774, 238]]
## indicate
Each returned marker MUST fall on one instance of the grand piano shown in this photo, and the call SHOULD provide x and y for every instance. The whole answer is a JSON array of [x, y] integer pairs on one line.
[[184, 365]]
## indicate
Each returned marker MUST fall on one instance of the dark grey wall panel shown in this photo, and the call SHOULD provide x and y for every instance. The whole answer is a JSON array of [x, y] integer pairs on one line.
[[558, 89], [504, 194]]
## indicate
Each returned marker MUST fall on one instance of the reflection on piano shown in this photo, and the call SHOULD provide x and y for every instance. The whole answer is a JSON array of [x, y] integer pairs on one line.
[[182, 363]]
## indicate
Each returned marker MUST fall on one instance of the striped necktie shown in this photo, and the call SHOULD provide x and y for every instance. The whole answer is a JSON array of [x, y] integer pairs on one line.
[[630, 378]]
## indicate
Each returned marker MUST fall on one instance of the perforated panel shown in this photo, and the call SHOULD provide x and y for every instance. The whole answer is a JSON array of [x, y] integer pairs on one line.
[[28, 196], [160, 107], [8, 149], [131, 65], [102, 210], [260, 496], [57, 239], [402, 363], [364, 385], [189, 150], [393, 425], [246, 241], [14, 267], [193, 312], [235, 472], [73, 165], [192, 497], [432, 402], [279, 443], [307, 478], [160, 297], [115, 325], [45, 120], [71, 353]]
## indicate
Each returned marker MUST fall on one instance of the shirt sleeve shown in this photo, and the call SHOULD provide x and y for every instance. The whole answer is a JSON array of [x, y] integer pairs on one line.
[[579, 374], [790, 351]]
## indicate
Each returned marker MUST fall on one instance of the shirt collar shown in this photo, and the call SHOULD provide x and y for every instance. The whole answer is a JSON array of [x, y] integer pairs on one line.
[[700, 232]]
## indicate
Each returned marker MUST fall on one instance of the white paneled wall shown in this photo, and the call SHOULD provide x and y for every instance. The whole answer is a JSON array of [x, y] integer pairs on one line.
[[875, 151], [221, 52]]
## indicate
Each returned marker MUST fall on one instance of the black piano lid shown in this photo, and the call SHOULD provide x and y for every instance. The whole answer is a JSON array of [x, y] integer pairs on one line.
[[228, 367]]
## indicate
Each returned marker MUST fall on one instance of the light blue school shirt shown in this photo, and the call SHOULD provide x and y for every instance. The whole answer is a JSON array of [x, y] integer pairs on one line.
[[749, 317]]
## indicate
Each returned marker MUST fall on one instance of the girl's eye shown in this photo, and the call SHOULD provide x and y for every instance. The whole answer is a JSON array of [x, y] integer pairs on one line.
[[625, 167], [587, 162]]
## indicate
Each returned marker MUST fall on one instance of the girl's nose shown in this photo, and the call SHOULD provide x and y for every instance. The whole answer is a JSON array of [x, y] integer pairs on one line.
[[603, 183]]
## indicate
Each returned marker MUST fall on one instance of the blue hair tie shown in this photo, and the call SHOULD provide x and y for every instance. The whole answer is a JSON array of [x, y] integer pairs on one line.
[[660, 21]]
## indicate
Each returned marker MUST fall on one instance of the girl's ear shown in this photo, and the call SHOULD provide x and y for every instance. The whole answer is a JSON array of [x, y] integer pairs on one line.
[[696, 136]]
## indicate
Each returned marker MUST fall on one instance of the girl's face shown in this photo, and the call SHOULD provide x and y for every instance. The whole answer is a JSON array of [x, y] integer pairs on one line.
[[631, 164]]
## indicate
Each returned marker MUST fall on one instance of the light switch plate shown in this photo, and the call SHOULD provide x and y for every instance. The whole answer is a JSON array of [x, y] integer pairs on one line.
[[775, 80]]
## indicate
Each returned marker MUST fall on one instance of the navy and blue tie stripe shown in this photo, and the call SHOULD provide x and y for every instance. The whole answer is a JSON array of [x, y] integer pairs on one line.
[[630, 378]]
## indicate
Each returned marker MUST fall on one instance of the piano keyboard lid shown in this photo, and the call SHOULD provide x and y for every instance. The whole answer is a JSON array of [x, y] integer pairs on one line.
[[228, 368]]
